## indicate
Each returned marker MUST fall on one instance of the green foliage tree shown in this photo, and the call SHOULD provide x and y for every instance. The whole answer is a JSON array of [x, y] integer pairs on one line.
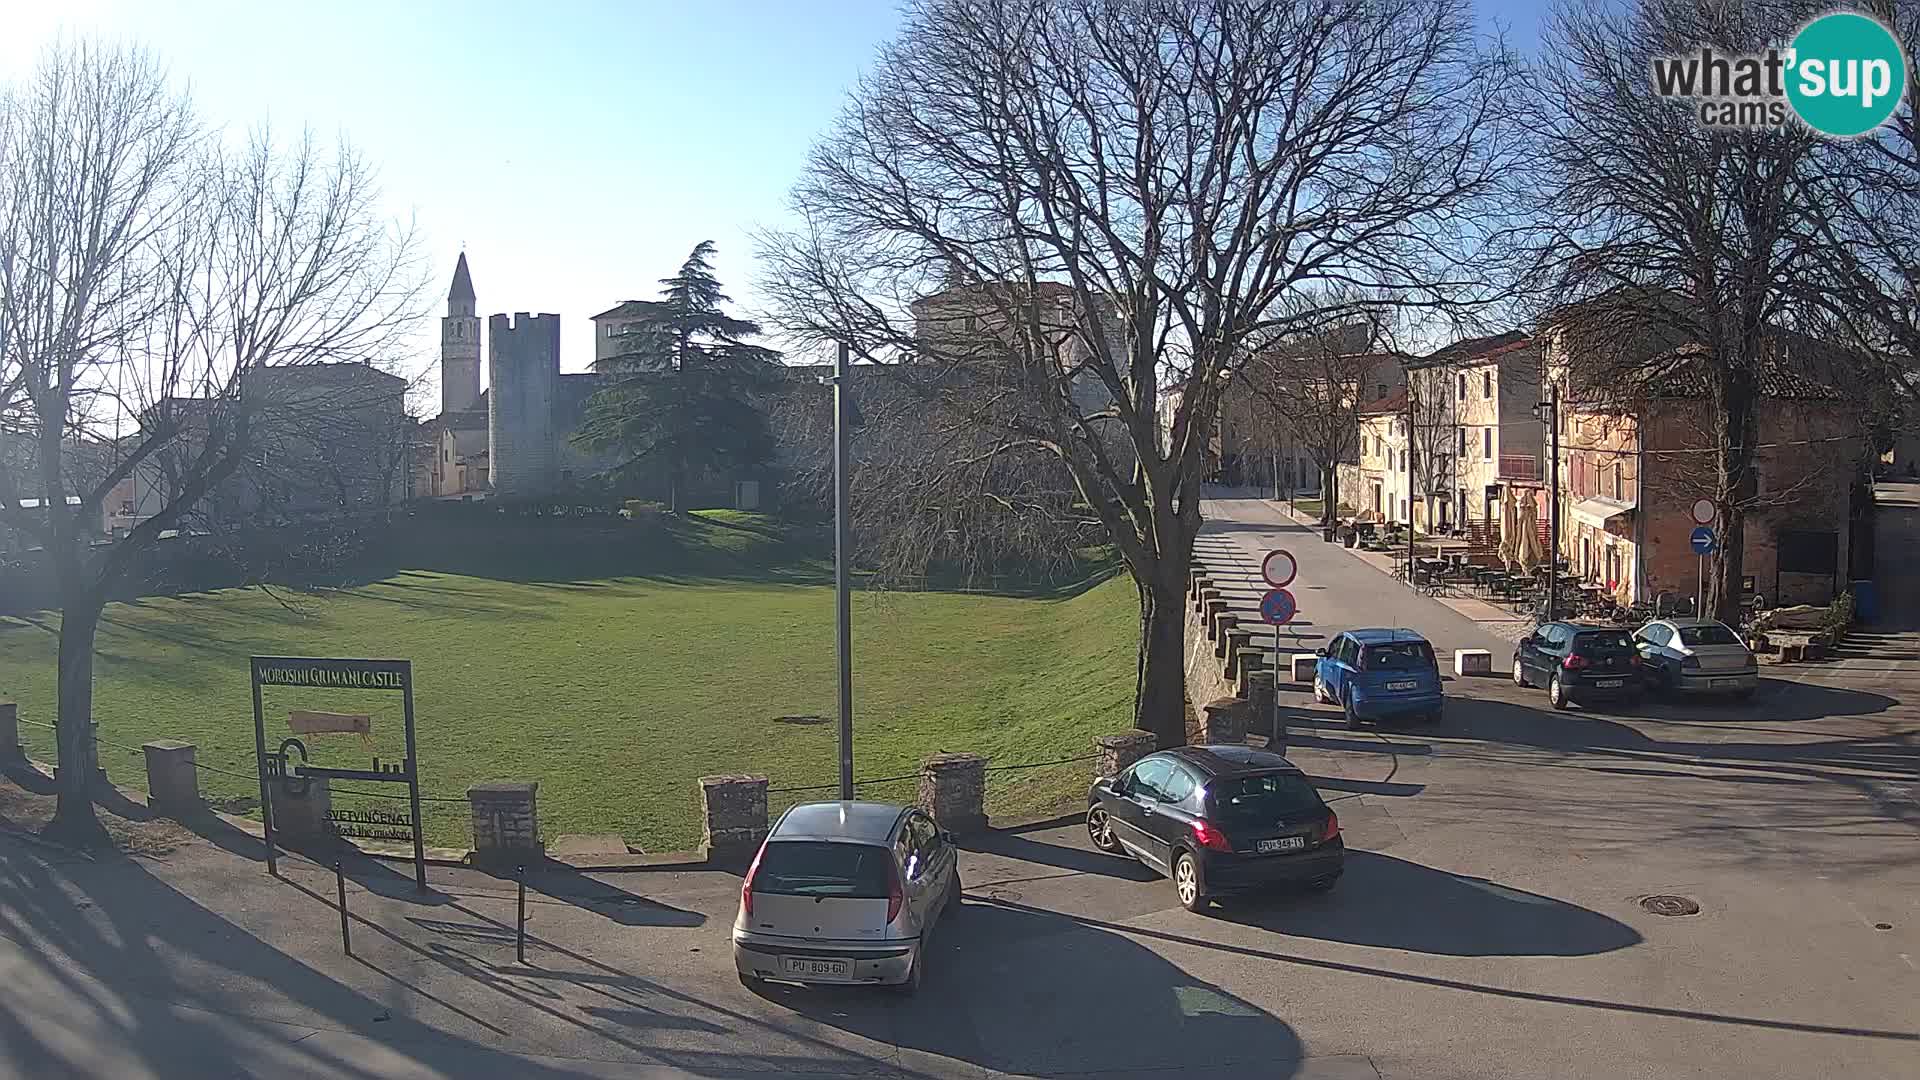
[[683, 395]]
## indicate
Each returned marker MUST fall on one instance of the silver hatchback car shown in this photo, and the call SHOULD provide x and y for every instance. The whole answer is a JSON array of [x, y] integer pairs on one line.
[[845, 893]]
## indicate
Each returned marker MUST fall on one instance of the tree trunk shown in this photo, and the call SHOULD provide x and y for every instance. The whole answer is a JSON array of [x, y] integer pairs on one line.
[[1160, 696], [73, 819], [1329, 494], [1736, 486]]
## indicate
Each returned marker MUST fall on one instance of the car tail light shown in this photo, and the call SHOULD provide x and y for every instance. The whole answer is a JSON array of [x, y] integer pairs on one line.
[[1209, 837], [1333, 827], [1574, 662], [896, 894], [1634, 660], [746, 884]]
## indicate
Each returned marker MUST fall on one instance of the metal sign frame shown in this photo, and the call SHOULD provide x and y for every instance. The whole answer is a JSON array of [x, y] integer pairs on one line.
[[332, 673]]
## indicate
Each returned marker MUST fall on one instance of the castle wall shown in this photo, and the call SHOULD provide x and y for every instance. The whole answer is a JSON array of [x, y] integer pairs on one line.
[[523, 371]]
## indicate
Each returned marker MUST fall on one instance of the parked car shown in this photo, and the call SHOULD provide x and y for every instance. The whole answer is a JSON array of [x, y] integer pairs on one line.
[[1379, 674], [1218, 820], [846, 893], [1696, 656], [1579, 662]]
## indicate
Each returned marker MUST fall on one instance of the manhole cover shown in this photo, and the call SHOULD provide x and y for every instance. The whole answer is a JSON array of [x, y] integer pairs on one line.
[[1006, 896], [1670, 905]]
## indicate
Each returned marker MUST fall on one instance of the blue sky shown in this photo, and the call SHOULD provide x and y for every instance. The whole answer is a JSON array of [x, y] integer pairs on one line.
[[577, 150]]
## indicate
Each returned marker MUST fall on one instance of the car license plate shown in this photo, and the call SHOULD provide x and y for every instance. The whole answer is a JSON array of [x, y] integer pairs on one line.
[[811, 968], [1406, 684], [1609, 684], [1285, 843]]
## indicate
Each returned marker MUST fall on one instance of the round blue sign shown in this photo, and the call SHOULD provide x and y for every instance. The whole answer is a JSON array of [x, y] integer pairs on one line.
[[1277, 607], [1702, 541]]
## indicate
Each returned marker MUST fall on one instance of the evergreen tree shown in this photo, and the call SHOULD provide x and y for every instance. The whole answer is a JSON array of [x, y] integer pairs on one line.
[[681, 400]]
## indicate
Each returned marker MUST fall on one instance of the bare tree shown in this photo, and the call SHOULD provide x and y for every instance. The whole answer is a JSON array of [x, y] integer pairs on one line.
[[1433, 435], [1048, 212], [152, 286], [1315, 383], [1673, 235]]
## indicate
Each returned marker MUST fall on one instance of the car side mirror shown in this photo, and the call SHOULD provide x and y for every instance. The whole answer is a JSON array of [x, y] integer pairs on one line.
[[1319, 652]]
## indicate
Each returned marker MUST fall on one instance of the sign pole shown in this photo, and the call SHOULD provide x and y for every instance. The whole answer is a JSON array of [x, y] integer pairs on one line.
[[1278, 608], [413, 782], [260, 766]]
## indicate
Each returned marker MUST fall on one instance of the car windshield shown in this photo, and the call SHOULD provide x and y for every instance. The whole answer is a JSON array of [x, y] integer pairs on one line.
[[819, 868], [1602, 642], [1246, 801], [1708, 634], [1396, 654]]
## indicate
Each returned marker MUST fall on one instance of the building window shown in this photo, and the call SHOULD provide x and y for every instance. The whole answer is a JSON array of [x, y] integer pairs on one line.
[[1486, 444], [1463, 442], [1379, 391], [1618, 486], [1463, 386], [1405, 515], [1486, 385]]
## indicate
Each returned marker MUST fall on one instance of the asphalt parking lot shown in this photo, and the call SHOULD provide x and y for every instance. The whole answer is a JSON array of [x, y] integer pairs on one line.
[[1489, 925]]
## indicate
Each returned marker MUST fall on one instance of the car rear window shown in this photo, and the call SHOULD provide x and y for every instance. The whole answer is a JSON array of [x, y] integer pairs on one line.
[[1396, 654], [1605, 641], [1711, 634], [1246, 801], [820, 868]]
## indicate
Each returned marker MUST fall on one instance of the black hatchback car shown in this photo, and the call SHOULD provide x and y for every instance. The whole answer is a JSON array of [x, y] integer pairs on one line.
[[1580, 663], [1218, 819]]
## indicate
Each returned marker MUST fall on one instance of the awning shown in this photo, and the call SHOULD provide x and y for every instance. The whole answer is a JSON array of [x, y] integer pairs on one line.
[[1597, 511]]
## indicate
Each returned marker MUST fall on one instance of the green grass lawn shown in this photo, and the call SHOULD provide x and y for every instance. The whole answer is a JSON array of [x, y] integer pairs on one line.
[[616, 692]]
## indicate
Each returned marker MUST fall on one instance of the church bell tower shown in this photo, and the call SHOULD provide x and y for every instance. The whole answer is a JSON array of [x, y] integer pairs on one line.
[[460, 345]]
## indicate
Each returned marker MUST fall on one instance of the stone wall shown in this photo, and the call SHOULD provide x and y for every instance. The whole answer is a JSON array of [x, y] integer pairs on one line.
[[523, 369]]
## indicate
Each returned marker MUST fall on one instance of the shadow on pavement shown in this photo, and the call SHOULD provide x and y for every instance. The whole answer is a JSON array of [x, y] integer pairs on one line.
[[1016, 989], [1457, 915], [1081, 859]]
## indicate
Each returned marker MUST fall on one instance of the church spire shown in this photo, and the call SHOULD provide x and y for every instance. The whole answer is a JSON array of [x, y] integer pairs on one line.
[[462, 291]]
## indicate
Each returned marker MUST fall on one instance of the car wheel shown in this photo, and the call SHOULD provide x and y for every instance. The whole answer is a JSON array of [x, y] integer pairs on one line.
[[1320, 692], [1100, 831], [1353, 718], [1186, 882], [1519, 673], [1324, 884], [1556, 692]]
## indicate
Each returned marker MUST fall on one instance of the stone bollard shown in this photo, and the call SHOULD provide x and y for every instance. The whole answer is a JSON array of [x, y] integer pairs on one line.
[[173, 784], [11, 750], [734, 809], [1225, 721], [1251, 664], [953, 788], [1225, 624], [1119, 752], [1239, 645], [1215, 609], [506, 822], [1260, 701], [302, 819], [1207, 592]]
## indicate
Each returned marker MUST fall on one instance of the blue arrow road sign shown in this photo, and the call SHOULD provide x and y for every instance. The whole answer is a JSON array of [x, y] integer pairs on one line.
[[1702, 541], [1277, 607]]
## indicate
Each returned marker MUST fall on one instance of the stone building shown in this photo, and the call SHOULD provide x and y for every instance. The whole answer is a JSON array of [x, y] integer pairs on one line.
[[1631, 470], [514, 438]]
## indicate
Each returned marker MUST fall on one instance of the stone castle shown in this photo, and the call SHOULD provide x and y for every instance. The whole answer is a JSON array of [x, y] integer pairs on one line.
[[513, 439]]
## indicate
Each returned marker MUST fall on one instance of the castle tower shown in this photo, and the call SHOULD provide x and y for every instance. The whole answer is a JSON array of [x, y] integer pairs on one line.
[[459, 345], [523, 371]]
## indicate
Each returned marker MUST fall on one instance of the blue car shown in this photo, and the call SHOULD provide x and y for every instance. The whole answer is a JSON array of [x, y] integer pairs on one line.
[[1379, 674]]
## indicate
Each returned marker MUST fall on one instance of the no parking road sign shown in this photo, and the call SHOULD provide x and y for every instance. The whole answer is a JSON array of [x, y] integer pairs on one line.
[[1277, 607]]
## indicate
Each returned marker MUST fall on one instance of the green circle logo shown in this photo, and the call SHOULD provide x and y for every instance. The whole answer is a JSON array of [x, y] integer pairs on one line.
[[1848, 74]]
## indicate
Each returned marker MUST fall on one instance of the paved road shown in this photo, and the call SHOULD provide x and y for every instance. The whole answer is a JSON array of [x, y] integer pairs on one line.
[[1335, 590], [1488, 927]]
